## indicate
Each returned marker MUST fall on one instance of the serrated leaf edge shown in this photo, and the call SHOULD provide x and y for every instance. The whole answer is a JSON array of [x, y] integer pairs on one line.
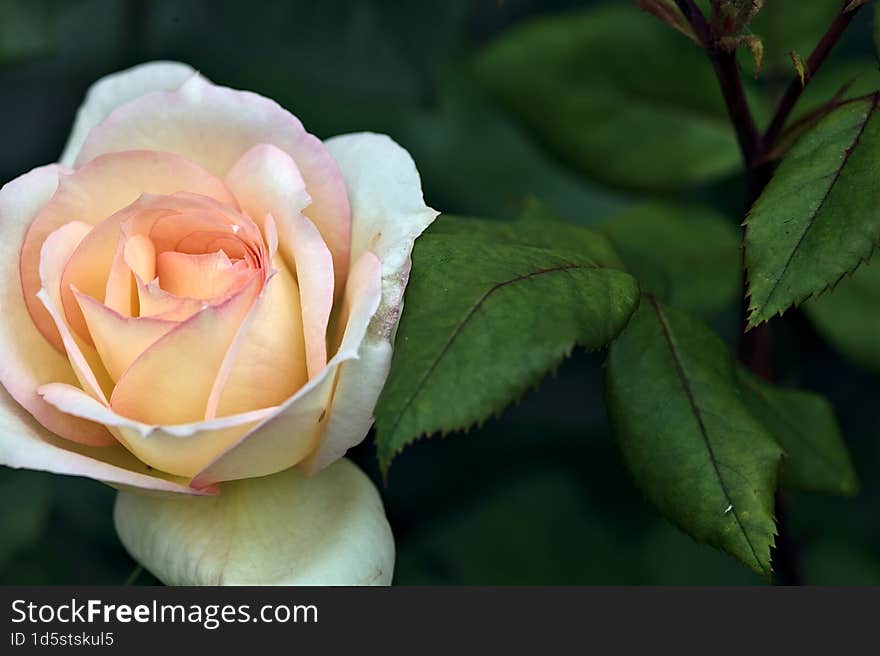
[[385, 463], [695, 411], [754, 321]]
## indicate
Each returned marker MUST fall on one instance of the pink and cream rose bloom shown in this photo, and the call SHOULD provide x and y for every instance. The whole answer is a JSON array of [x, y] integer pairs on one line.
[[199, 294]]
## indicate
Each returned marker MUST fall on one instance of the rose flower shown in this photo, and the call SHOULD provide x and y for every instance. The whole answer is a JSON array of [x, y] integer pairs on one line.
[[200, 292]]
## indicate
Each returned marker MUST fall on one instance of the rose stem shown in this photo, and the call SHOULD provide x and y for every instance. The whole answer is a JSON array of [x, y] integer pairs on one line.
[[754, 345]]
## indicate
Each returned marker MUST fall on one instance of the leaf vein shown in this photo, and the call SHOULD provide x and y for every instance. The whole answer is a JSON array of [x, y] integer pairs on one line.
[[812, 217], [459, 327], [697, 413]]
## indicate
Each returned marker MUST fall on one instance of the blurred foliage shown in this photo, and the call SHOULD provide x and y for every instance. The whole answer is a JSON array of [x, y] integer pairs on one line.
[[466, 138], [27, 29], [539, 494], [804, 425], [849, 316], [664, 244], [615, 68]]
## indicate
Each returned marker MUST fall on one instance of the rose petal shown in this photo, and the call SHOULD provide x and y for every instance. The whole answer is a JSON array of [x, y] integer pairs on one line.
[[170, 222], [97, 268], [278, 530], [266, 180], [159, 304], [26, 359], [270, 229], [83, 358], [388, 214], [350, 417], [140, 256], [96, 192], [178, 449], [170, 382], [288, 437], [204, 276], [214, 127], [84, 370], [120, 294], [266, 363], [109, 92], [120, 340], [24, 443], [314, 269], [388, 210], [207, 220]]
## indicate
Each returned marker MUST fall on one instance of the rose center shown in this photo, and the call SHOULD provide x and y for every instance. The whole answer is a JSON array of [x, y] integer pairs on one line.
[[163, 257]]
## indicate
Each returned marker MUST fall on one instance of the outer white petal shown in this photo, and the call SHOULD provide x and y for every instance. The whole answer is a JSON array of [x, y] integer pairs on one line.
[[109, 92], [351, 411], [283, 529], [388, 213], [388, 210], [26, 444]]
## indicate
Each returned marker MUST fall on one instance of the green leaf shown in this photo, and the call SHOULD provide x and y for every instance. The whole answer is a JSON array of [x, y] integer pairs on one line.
[[689, 257], [537, 225], [687, 436], [805, 426], [820, 214], [487, 317], [849, 316], [605, 92], [856, 78]]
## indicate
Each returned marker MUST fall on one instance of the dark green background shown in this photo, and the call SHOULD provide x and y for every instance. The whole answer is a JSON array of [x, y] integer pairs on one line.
[[538, 495]]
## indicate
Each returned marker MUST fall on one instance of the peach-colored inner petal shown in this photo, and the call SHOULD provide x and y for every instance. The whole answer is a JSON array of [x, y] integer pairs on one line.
[[153, 301], [163, 386], [118, 339], [265, 364], [120, 294], [100, 266], [203, 276], [140, 255], [84, 361], [96, 191]]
